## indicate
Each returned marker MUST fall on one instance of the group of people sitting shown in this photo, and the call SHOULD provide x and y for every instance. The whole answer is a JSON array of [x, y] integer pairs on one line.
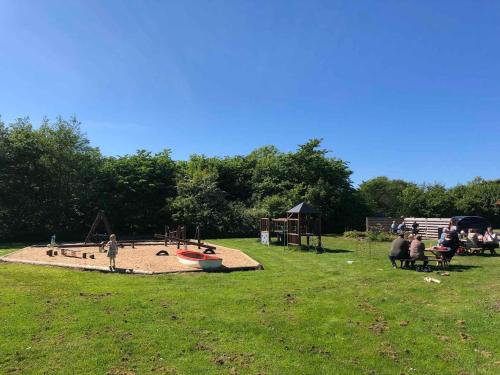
[[473, 239], [410, 250]]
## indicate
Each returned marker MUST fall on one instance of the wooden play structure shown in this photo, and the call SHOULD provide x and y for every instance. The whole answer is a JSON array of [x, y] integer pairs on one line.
[[178, 237], [92, 235], [303, 220]]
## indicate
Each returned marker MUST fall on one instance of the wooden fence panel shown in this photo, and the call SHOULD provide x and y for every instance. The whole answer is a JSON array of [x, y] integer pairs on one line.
[[428, 226], [380, 223]]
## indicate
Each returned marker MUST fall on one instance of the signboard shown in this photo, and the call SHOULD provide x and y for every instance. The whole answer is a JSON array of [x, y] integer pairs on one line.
[[264, 238]]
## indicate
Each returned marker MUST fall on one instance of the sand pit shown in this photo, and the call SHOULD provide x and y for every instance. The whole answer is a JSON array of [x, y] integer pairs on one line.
[[139, 260]]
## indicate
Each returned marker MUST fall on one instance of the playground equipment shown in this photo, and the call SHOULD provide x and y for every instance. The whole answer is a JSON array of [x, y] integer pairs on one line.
[[301, 220], [77, 254], [101, 216], [178, 237], [198, 260]]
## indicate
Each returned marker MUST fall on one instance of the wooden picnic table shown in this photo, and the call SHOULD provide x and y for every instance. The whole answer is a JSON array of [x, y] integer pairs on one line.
[[439, 254]]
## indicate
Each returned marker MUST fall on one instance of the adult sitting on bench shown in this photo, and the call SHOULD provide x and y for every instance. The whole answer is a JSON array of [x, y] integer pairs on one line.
[[399, 250], [451, 242], [417, 248], [490, 241]]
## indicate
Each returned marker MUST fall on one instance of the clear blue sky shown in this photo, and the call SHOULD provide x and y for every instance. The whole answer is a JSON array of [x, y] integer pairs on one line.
[[407, 89]]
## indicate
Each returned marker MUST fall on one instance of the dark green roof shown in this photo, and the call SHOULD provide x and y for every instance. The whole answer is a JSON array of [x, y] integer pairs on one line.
[[303, 208]]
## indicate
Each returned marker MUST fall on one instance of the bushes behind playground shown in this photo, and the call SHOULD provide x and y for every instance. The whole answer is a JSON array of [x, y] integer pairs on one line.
[[372, 235], [54, 182]]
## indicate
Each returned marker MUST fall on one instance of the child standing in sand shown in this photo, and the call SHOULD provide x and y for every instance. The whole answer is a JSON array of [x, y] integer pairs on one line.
[[112, 251]]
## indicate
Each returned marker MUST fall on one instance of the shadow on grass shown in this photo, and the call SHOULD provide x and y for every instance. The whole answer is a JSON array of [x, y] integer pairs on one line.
[[461, 267], [451, 267], [486, 255], [305, 249], [337, 251]]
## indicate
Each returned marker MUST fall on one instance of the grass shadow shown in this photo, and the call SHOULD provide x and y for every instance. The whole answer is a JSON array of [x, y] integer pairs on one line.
[[451, 267], [461, 267], [337, 251], [486, 255]]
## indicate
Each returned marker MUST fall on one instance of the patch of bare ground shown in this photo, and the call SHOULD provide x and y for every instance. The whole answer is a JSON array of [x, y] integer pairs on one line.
[[387, 350], [120, 371], [465, 337], [379, 326], [240, 360], [367, 306], [320, 350], [484, 353]]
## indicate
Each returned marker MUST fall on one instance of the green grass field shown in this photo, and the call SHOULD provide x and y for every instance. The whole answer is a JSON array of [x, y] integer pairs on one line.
[[305, 313]]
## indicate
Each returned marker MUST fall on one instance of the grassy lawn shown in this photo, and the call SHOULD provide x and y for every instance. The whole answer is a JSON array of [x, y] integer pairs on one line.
[[304, 314]]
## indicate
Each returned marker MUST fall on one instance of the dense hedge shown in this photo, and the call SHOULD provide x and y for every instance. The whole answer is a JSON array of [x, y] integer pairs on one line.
[[53, 181]]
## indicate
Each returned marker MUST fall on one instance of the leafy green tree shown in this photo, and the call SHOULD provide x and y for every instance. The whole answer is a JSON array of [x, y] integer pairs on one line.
[[134, 190], [44, 176], [201, 202], [385, 196], [478, 197]]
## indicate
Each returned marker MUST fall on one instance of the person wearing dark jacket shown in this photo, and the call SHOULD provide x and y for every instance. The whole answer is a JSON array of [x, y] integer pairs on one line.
[[452, 242], [400, 249]]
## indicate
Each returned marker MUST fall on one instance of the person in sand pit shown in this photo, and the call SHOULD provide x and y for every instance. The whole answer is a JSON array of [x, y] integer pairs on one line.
[[112, 251]]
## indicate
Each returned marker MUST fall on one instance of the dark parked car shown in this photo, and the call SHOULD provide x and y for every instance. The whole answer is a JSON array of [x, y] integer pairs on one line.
[[471, 222]]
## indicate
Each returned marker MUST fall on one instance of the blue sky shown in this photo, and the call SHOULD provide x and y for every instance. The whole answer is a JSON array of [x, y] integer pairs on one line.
[[407, 89]]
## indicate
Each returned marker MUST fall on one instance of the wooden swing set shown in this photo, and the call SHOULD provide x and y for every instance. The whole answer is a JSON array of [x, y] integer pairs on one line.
[[178, 237]]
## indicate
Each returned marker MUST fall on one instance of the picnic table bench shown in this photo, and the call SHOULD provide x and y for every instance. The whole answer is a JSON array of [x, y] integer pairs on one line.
[[440, 259]]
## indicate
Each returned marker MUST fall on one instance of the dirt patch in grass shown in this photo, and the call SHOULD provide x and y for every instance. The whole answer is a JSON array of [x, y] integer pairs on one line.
[[379, 326], [119, 371], [484, 353], [387, 350], [367, 306], [465, 337], [320, 350], [241, 360], [203, 346]]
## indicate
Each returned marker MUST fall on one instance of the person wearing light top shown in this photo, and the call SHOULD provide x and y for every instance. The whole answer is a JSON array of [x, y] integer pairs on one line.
[[417, 248], [394, 226], [112, 251], [490, 240]]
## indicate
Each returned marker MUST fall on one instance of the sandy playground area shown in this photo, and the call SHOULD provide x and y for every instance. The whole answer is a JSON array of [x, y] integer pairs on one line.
[[141, 260]]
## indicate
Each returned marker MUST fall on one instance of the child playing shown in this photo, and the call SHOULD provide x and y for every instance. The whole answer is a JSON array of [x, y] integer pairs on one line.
[[113, 251]]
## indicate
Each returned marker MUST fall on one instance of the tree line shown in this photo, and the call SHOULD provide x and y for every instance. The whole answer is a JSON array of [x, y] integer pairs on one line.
[[395, 198], [53, 181]]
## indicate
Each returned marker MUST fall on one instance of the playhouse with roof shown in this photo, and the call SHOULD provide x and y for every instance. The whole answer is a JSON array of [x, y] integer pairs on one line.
[[300, 221]]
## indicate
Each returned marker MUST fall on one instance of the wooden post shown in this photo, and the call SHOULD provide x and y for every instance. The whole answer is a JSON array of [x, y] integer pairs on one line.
[[299, 229], [178, 235], [319, 231], [184, 237], [198, 236]]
